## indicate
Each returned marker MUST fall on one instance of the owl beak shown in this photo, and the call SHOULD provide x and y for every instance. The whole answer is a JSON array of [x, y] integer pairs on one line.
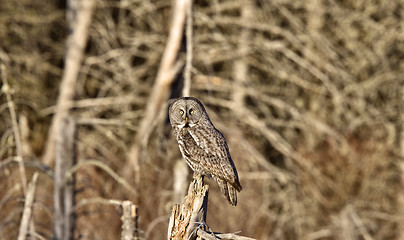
[[186, 119]]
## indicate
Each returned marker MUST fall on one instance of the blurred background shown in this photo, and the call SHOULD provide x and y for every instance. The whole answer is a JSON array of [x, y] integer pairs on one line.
[[308, 94]]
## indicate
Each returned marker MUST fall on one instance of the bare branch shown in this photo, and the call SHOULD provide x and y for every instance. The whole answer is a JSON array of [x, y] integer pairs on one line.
[[186, 91], [79, 18], [104, 167], [97, 200], [240, 68], [213, 236], [27, 214], [160, 89], [7, 90]]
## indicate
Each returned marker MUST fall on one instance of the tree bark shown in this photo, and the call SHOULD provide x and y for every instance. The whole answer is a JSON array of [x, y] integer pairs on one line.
[[188, 220], [191, 215], [129, 219], [64, 186]]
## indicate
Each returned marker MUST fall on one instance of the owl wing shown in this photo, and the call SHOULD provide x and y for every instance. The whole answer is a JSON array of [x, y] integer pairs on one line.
[[216, 155]]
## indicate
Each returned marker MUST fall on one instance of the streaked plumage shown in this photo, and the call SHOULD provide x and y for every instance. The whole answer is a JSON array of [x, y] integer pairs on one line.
[[203, 146]]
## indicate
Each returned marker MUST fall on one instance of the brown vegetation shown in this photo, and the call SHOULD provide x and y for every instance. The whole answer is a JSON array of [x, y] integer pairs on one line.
[[307, 93]]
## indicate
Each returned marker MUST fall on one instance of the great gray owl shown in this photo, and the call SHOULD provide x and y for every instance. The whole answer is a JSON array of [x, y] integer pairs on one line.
[[203, 146]]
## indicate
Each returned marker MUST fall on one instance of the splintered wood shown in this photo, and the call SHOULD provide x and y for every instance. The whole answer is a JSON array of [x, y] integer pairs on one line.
[[191, 215]]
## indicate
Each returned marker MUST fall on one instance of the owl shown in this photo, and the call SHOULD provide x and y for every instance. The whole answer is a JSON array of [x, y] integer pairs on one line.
[[202, 146]]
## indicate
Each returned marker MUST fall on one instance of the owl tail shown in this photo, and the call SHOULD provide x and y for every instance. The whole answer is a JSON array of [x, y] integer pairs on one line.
[[229, 192]]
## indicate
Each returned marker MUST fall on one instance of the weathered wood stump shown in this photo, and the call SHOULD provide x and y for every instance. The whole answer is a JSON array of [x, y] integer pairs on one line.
[[188, 220], [191, 215]]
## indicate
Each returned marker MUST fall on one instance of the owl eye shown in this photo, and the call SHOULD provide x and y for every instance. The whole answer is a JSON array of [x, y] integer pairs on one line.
[[181, 112], [191, 111]]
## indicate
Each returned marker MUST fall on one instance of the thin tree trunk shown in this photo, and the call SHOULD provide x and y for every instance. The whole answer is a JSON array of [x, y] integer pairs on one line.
[[186, 91], [180, 181], [78, 18], [165, 76], [400, 132], [129, 219], [240, 68], [64, 187]]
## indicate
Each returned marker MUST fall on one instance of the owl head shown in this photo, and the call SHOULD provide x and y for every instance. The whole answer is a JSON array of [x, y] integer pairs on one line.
[[187, 112]]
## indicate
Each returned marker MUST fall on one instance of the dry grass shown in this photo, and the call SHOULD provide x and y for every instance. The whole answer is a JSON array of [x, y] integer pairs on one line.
[[315, 136]]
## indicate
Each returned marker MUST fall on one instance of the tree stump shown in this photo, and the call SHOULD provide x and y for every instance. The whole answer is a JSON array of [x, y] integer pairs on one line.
[[191, 215], [188, 220]]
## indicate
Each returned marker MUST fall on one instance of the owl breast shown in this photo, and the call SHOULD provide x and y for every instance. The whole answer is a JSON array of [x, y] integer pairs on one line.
[[195, 156]]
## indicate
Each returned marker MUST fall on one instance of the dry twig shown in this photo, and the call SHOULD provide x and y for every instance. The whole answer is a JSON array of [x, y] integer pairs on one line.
[[27, 213], [7, 90]]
